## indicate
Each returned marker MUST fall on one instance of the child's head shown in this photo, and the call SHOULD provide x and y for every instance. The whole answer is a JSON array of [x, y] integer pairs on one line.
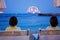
[[13, 21], [53, 21]]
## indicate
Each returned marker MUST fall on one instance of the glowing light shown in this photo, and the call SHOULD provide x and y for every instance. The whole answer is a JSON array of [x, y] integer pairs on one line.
[[33, 9]]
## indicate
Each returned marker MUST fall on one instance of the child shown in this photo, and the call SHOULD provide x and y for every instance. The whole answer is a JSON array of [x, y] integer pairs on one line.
[[13, 22], [54, 23]]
